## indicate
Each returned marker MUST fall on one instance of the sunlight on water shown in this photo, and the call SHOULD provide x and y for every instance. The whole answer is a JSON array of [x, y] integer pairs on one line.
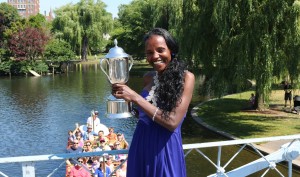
[[37, 112]]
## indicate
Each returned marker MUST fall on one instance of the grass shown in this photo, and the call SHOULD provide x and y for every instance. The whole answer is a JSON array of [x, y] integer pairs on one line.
[[232, 115], [92, 60]]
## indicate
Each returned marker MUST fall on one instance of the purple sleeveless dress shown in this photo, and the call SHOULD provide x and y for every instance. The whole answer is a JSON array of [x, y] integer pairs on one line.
[[154, 150]]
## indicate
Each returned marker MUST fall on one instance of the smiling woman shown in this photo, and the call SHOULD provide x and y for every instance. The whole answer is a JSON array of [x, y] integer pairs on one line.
[[161, 110]]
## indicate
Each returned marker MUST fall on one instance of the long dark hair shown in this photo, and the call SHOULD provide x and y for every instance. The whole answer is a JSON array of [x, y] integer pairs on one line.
[[171, 81]]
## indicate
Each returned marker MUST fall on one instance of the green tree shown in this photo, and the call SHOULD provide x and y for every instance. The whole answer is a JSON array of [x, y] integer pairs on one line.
[[57, 52], [5, 66], [290, 54], [244, 39], [8, 15], [134, 21], [41, 67], [168, 15], [138, 17], [37, 21], [83, 25], [65, 26]]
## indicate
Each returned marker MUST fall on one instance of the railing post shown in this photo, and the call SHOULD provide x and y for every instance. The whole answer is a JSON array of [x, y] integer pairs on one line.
[[219, 156], [28, 169], [290, 164], [220, 170]]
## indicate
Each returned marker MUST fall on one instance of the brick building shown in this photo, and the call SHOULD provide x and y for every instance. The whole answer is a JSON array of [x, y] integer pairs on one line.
[[26, 7]]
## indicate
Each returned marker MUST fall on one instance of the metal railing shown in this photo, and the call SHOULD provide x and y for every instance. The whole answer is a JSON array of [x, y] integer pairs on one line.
[[288, 152]]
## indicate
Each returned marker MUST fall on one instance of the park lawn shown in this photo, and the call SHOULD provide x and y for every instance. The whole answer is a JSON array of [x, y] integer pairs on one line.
[[96, 60], [232, 115]]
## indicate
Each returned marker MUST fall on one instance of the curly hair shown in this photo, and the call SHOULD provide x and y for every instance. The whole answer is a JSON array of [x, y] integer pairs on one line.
[[169, 92]]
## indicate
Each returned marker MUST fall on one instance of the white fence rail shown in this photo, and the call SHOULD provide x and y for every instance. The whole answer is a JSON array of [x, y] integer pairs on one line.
[[288, 152]]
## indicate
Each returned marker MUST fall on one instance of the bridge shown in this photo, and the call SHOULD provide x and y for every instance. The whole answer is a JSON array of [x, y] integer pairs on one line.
[[286, 153]]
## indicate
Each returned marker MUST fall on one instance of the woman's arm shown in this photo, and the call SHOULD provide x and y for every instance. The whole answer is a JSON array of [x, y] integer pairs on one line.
[[175, 117]]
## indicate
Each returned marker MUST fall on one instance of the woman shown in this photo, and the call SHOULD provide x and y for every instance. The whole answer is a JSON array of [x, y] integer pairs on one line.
[[156, 147]]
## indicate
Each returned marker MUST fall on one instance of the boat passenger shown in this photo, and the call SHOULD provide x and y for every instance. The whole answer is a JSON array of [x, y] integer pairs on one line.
[[84, 148], [69, 166], [106, 147], [78, 170], [100, 171], [118, 157], [122, 171], [123, 143], [109, 163], [101, 137], [112, 137], [89, 147], [70, 136], [80, 140], [93, 120], [89, 134], [74, 148], [96, 162]]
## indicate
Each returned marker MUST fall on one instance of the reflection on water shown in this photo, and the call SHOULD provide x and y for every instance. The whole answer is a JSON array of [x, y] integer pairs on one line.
[[37, 112]]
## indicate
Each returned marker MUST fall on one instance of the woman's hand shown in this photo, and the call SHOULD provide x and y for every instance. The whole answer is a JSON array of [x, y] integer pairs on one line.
[[122, 91]]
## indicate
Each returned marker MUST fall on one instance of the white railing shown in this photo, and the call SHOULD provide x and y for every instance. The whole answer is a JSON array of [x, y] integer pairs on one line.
[[288, 152]]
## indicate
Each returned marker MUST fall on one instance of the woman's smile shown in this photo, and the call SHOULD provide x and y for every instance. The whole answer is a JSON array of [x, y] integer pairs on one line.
[[157, 53]]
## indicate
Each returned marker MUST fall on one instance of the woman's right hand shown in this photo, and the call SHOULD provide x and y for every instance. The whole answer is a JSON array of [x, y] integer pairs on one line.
[[122, 91]]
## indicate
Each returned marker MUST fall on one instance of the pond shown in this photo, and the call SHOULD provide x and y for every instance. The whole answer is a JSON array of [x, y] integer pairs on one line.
[[37, 112]]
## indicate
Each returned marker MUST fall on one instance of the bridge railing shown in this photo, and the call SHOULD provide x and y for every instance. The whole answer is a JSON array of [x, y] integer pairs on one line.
[[288, 152]]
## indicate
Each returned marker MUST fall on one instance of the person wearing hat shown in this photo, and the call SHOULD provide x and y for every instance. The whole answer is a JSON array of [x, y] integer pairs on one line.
[[93, 120], [89, 134]]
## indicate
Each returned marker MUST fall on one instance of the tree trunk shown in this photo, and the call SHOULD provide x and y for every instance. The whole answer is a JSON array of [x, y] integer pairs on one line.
[[84, 48], [259, 102]]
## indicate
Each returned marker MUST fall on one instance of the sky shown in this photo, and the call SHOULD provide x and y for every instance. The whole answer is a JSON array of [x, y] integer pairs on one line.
[[45, 5]]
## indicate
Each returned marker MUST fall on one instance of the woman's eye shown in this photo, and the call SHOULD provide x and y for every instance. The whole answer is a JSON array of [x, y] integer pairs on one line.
[[149, 53], [160, 50]]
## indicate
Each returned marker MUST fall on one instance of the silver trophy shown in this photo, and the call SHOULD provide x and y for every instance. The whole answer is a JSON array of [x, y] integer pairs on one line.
[[117, 71]]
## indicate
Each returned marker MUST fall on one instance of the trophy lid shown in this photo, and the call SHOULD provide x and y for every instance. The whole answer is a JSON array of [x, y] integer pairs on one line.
[[116, 52]]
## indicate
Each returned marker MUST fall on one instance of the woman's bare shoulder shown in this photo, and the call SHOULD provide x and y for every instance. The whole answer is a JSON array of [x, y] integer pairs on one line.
[[189, 75], [148, 80]]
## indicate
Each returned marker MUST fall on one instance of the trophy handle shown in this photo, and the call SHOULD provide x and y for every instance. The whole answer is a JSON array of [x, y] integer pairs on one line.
[[101, 60], [131, 62]]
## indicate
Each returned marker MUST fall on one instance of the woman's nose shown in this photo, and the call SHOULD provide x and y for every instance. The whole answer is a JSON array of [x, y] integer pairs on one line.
[[155, 55]]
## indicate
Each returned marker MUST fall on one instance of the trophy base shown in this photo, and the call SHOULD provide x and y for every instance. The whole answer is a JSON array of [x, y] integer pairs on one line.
[[119, 115], [118, 108]]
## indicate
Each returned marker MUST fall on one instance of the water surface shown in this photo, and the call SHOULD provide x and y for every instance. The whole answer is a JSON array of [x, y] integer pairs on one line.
[[37, 112]]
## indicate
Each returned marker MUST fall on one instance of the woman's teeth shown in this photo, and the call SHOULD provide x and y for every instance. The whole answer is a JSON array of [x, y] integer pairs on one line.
[[157, 62]]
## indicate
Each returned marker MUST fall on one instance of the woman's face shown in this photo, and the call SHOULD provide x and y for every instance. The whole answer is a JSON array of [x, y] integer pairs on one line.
[[157, 52]]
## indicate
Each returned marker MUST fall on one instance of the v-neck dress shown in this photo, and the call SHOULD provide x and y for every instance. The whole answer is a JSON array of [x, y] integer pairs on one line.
[[155, 151]]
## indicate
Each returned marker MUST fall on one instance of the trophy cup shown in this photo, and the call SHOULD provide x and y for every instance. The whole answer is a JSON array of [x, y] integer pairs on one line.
[[117, 71]]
